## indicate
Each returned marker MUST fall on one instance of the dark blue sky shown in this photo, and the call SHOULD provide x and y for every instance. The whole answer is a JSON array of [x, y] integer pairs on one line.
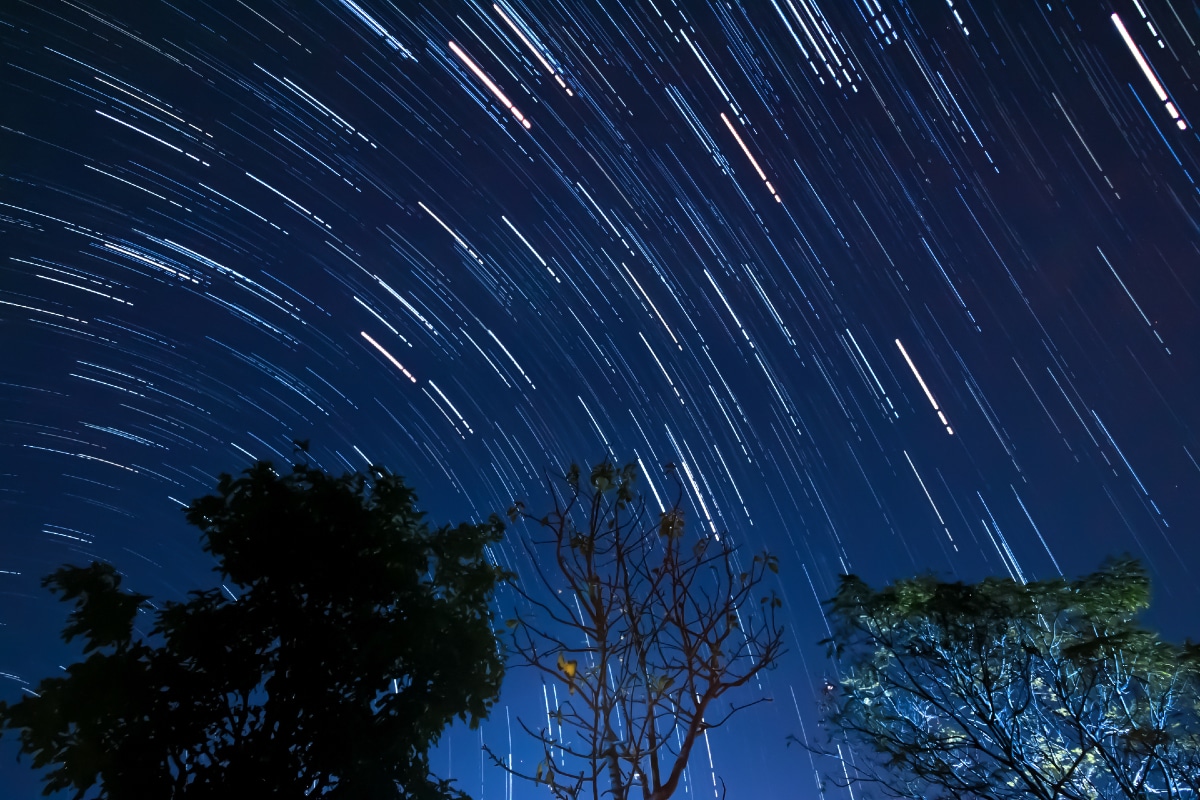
[[900, 287]]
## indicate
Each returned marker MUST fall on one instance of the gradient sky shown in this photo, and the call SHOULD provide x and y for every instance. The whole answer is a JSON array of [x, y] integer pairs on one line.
[[900, 286]]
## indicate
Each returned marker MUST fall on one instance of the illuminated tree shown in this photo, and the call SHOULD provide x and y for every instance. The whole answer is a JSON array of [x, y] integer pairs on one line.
[[640, 629], [357, 634], [1004, 691]]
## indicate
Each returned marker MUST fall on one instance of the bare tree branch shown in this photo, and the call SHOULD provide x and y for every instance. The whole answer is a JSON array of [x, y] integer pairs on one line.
[[645, 627]]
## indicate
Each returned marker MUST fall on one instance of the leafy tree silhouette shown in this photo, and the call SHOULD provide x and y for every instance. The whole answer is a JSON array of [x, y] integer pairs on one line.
[[357, 634]]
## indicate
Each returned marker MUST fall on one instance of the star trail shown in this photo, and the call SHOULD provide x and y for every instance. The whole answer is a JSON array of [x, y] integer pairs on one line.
[[899, 286]]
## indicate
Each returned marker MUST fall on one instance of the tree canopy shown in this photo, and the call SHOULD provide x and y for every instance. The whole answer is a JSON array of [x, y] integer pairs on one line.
[[642, 629], [345, 636], [1008, 691]]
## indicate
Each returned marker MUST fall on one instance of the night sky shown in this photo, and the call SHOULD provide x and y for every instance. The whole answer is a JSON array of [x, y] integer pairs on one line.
[[900, 287]]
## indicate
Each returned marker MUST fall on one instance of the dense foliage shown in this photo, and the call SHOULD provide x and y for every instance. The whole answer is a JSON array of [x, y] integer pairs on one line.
[[1009, 691], [351, 635], [641, 628]]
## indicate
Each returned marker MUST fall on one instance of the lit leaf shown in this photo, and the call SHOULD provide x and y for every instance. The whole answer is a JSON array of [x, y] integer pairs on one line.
[[567, 667]]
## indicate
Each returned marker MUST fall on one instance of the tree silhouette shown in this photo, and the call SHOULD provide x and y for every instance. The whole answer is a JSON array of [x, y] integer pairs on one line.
[[349, 636], [641, 629], [1007, 691]]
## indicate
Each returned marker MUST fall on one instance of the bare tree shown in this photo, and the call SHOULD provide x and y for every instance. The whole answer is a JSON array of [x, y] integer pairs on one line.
[[640, 629]]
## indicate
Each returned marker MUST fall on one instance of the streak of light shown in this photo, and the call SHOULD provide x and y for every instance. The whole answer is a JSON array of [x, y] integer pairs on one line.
[[123, 434], [652, 306], [599, 430], [264, 19], [142, 132], [958, 17], [929, 497], [486, 358], [282, 458], [1148, 72], [728, 307], [86, 538], [949, 282], [304, 150], [479, 73], [1130, 296], [375, 314], [819, 26], [770, 306], [438, 405], [104, 383], [84, 456], [644, 473], [1079, 135], [288, 199], [928, 393], [1128, 466], [42, 311], [712, 767], [242, 207], [331, 386], [536, 53], [1020, 575], [733, 483], [317, 104], [244, 450], [442, 394], [1032, 524], [536, 254], [149, 261], [849, 784], [130, 183], [787, 24], [616, 232], [496, 339], [158, 108], [660, 366], [872, 371], [358, 11], [388, 356], [450, 231], [749, 155], [407, 305], [717, 81], [687, 470], [816, 26], [77, 286], [729, 421]]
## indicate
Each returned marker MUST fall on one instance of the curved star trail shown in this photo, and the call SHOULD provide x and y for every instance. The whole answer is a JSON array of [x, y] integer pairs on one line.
[[899, 286]]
